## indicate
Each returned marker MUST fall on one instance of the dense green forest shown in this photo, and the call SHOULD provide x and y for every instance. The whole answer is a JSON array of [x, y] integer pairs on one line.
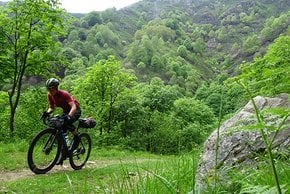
[[153, 75]]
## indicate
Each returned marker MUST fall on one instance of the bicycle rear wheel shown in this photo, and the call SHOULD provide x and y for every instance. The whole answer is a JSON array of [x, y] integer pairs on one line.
[[80, 155], [43, 151]]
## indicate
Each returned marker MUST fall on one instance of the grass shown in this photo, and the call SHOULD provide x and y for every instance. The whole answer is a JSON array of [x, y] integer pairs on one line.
[[122, 171], [115, 171], [13, 156], [254, 179], [150, 176], [263, 177]]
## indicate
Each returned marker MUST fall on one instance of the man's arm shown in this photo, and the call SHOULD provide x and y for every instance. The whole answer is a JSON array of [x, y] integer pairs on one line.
[[73, 109], [50, 109]]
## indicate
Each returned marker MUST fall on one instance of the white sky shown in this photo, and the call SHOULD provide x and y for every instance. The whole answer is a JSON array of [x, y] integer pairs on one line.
[[85, 6]]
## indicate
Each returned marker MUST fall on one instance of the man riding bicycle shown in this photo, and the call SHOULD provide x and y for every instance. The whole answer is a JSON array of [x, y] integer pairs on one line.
[[70, 106]]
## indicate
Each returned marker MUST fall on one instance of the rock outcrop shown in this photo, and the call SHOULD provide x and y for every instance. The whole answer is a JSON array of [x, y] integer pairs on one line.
[[238, 145]]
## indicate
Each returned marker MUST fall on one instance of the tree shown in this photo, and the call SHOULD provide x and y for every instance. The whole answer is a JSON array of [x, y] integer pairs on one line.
[[252, 44], [4, 114], [190, 110], [73, 36], [182, 51], [199, 46], [93, 18], [274, 26], [106, 35], [188, 44], [158, 96], [269, 75], [101, 87], [156, 63], [131, 117], [216, 95], [30, 28], [69, 53], [193, 118], [141, 51]]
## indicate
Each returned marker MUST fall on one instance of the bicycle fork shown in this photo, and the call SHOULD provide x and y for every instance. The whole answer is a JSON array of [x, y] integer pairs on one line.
[[48, 144]]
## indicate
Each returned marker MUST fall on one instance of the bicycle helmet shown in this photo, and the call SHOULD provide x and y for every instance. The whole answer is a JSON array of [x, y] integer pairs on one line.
[[52, 83]]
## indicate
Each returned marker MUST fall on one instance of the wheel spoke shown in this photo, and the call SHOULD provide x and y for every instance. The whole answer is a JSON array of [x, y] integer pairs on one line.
[[80, 155], [43, 151]]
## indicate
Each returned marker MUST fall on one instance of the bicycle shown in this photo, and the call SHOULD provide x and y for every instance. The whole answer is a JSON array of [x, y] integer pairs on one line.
[[46, 147]]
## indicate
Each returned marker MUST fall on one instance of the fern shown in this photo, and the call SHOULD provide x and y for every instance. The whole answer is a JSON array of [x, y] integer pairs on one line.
[[261, 189]]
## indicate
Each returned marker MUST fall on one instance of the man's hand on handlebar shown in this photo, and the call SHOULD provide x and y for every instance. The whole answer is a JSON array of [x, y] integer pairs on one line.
[[66, 118], [45, 115]]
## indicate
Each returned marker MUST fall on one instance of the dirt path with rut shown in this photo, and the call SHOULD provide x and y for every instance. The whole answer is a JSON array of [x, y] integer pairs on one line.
[[21, 174]]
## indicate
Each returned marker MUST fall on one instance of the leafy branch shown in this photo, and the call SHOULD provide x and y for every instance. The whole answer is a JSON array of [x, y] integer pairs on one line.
[[262, 126]]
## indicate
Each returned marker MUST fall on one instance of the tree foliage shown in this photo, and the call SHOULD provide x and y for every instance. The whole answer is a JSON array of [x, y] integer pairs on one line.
[[29, 28], [159, 97], [216, 95], [269, 75], [101, 87]]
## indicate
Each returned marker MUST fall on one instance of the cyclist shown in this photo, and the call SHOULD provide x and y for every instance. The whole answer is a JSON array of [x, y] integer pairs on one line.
[[70, 106]]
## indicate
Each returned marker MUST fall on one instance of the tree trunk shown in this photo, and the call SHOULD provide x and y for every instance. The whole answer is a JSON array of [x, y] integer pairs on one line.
[[16, 91], [14, 104], [11, 121], [110, 117]]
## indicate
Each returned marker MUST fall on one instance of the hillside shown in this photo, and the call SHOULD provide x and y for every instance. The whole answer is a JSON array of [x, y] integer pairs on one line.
[[218, 35], [170, 38], [177, 40]]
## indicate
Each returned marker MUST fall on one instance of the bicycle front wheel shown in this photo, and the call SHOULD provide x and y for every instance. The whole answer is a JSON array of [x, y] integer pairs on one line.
[[80, 155], [43, 151]]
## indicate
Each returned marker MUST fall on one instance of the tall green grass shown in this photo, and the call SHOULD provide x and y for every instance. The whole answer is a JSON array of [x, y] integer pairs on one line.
[[122, 171], [13, 155], [260, 179], [264, 127], [134, 173]]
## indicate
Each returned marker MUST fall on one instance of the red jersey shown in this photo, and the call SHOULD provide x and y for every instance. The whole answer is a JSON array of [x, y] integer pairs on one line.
[[62, 99]]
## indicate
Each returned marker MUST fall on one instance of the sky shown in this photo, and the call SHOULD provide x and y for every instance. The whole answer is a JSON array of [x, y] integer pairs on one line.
[[86, 6]]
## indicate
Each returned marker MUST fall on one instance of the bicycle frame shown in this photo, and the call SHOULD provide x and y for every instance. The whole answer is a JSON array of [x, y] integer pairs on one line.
[[51, 141]]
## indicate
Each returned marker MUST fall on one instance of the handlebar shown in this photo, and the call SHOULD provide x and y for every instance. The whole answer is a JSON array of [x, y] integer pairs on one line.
[[55, 121]]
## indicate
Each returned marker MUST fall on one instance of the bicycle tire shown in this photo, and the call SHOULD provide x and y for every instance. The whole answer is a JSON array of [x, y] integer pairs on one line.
[[80, 155], [44, 151]]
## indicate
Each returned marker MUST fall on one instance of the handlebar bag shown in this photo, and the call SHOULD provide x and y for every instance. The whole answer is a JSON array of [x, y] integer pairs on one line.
[[55, 122]]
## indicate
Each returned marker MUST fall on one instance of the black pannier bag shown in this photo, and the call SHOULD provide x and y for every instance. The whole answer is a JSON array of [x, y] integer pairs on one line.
[[87, 123], [55, 122]]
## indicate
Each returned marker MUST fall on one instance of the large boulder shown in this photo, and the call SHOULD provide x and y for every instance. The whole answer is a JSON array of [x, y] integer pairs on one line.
[[240, 145]]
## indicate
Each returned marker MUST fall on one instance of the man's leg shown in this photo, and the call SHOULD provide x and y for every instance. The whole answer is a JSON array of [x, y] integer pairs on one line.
[[62, 155], [76, 140], [73, 129]]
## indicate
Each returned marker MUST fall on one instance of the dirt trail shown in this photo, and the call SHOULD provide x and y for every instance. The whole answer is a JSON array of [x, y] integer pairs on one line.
[[15, 175]]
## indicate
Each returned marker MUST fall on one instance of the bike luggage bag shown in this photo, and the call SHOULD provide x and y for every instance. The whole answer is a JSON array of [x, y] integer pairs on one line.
[[87, 123]]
